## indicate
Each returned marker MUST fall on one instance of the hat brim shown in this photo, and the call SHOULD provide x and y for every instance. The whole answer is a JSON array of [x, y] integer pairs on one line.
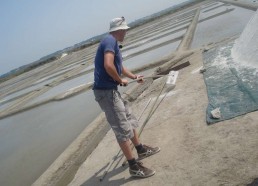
[[122, 27]]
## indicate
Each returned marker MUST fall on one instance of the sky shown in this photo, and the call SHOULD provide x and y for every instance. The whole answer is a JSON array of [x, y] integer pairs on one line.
[[32, 29]]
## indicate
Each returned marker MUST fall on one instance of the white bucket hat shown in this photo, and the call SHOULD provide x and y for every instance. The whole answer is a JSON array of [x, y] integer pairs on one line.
[[118, 24]]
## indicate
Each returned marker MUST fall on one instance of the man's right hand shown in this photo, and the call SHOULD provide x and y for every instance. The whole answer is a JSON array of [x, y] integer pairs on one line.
[[124, 82]]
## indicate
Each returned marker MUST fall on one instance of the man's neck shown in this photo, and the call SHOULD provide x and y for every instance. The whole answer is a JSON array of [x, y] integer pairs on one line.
[[114, 34]]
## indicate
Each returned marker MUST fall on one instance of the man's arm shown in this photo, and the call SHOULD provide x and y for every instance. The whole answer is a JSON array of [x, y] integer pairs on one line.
[[111, 69], [128, 73]]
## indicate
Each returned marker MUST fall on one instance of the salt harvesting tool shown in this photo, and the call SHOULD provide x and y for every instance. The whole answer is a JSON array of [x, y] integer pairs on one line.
[[171, 80], [170, 84], [147, 77], [142, 78]]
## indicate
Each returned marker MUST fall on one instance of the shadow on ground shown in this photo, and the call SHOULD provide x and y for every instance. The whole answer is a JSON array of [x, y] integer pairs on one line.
[[117, 169]]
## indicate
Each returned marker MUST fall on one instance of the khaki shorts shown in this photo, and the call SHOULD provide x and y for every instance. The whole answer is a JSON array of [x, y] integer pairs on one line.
[[118, 113]]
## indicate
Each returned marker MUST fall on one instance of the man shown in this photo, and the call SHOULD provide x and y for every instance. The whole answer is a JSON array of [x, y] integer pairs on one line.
[[107, 77]]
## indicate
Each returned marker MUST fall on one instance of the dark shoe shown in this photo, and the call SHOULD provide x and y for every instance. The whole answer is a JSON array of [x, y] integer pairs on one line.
[[148, 151], [138, 170]]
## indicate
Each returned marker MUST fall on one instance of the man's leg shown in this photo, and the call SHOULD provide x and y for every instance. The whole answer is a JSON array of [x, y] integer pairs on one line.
[[125, 147], [135, 168], [143, 150], [135, 140], [119, 123]]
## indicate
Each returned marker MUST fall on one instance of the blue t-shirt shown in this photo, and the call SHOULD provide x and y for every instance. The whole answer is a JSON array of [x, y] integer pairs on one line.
[[101, 78]]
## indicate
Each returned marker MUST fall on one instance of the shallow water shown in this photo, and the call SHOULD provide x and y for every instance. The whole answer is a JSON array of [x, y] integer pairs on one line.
[[32, 140], [151, 56], [63, 87], [155, 42], [221, 27], [245, 49]]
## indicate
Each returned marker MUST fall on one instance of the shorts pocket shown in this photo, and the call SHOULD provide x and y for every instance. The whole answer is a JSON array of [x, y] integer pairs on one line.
[[118, 102]]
